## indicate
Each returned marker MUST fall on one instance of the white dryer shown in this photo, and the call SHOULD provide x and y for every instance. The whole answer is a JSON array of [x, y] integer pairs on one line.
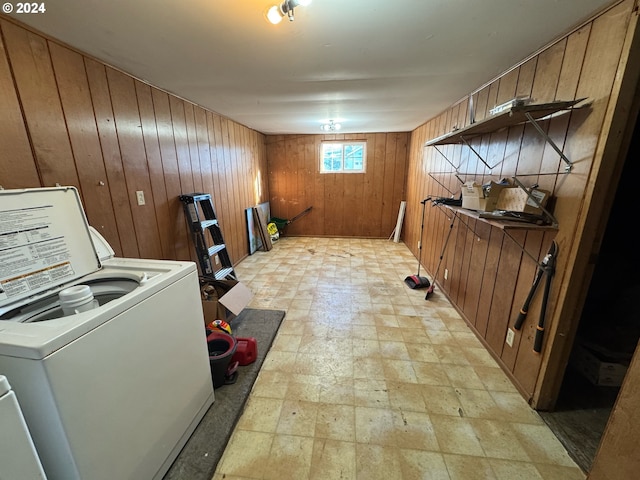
[[113, 392]]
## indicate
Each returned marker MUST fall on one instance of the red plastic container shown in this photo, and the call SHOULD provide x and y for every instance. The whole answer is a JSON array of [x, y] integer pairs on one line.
[[246, 351]]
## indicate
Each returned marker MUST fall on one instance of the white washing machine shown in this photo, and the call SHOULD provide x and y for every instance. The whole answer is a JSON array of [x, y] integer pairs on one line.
[[18, 457], [115, 390]]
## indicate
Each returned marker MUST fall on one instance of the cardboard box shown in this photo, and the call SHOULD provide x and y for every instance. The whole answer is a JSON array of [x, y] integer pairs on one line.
[[224, 300], [483, 198], [597, 369], [517, 200]]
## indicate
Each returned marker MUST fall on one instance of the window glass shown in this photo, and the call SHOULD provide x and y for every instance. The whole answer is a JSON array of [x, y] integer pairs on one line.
[[339, 157]]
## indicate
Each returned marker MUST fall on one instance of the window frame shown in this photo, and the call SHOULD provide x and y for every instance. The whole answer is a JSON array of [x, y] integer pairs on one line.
[[344, 143]]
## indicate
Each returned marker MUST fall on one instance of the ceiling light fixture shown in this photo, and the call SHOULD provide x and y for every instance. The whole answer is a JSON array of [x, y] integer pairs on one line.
[[276, 13], [330, 127]]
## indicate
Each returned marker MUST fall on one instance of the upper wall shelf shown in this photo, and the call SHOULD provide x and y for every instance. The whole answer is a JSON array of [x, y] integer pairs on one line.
[[514, 116]]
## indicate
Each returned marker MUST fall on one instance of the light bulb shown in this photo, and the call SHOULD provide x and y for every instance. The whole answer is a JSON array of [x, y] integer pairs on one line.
[[274, 15]]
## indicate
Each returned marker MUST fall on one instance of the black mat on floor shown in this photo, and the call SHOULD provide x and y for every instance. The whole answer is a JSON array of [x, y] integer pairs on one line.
[[202, 452]]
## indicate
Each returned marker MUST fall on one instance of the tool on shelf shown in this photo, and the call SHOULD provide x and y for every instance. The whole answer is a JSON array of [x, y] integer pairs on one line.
[[198, 209], [547, 266]]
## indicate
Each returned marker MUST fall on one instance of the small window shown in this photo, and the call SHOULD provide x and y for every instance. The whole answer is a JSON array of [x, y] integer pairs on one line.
[[338, 157]]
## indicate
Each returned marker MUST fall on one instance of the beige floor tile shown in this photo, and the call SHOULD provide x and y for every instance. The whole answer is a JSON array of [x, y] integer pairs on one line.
[[413, 430], [553, 472], [280, 361], [290, 326], [246, 454], [479, 356], [452, 354], [511, 470], [224, 476], [415, 336], [494, 379], [456, 435], [479, 404], [365, 347], [514, 408], [393, 349], [362, 316], [336, 422], [422, 352], [410, 321], [297, 418], [290, 457], [431, 373], [463, 376], [463, 467], [370, 393], [466, 338], [406, 396], [286, 343], [333, 460], [374, 426], [382, 308], [303, 391], [301, 303], [270, 384], [498, 440], [368, 380], [369, 332], [418, 464], [399, 370], [386, 321], [339, 390], [542, 445], [454, 323], [261, 414], [323, 365], [368, 367], [377, 462], [441, 400], [442, 337]]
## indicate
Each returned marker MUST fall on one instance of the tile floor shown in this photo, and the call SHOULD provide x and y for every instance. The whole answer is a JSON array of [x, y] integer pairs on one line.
[[366, 380]]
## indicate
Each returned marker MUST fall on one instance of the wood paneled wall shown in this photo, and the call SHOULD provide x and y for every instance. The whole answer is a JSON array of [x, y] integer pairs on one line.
[[343, 205], [489, 275], [68, 119]]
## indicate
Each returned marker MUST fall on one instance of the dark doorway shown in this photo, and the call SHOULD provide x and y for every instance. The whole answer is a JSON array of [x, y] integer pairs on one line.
[[609, 327]]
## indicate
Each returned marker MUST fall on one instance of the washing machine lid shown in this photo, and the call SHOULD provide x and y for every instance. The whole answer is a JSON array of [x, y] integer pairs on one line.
[[4, 386], [100, 244], [44, 242]]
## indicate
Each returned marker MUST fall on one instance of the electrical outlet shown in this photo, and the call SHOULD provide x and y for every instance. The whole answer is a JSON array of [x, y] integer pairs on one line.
[[419, 244], [510, 336], [446, 273], [140, 197], [217, 260]]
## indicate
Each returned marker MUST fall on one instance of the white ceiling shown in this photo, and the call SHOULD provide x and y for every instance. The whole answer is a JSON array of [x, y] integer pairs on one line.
[[372, 65]]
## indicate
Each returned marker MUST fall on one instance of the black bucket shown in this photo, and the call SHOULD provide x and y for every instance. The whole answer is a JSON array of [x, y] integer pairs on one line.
[[221, 347]]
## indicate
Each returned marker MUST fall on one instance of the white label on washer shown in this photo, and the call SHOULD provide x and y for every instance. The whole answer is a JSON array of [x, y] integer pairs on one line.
[[32, 253]]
